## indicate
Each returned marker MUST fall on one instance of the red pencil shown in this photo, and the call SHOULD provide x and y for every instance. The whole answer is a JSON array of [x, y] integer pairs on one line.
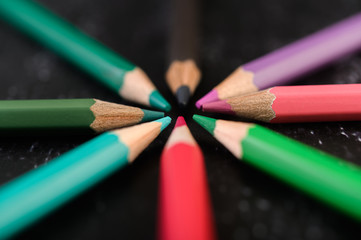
[[184, 204], [314, 103]]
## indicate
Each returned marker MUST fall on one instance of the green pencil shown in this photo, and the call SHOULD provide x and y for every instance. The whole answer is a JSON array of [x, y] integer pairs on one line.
[[69, 115], [121, 76], [38, 192], [323, 176]]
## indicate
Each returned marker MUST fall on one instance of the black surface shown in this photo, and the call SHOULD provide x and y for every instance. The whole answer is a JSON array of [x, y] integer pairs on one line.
[[247, 203]]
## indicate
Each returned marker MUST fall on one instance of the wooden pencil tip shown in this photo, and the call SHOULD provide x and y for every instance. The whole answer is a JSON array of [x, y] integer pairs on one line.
[[183, 77], [183, 94]]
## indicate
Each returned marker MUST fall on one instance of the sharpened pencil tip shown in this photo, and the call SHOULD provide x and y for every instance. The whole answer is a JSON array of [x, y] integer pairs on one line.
[[157, 100], [183, 94], [165, 122], [207, 123], [209, 97]]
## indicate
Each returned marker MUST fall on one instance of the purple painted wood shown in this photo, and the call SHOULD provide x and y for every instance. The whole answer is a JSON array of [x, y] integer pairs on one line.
[[308, 54]]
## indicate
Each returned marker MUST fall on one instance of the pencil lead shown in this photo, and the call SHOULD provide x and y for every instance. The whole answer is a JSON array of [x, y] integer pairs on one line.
[[180, 122], [165, 122], [151, 115], [183, 94], [218, 107], [207, 123], [157, 100], [212, 96]]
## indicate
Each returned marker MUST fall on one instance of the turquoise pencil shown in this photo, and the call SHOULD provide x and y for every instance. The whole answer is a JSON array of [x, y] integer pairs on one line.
[[38, 192], [110, 69]]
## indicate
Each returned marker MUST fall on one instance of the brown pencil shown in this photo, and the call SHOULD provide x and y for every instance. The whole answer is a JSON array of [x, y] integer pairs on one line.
[[183, 74]]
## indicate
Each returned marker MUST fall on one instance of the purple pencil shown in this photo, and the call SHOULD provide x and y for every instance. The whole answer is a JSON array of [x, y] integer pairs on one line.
[[292, 61]]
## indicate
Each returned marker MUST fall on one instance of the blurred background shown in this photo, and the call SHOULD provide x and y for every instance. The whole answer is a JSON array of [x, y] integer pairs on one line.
[[247, 203]]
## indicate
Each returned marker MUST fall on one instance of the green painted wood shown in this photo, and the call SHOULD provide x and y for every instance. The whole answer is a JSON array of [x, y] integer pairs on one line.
[[46, 115], [63, 38], [38, 192], [323, 176]]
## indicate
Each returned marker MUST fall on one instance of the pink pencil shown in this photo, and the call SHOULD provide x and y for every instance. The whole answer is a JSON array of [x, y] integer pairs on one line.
[[292, 61], [317, 103]]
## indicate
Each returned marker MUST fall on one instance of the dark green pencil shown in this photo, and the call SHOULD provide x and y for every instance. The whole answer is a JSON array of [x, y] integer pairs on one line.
[[69, 115], [115, 72]]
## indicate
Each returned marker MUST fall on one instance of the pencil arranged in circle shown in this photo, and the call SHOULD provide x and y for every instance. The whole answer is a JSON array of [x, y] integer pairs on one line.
[[38, 192], [292, 61], [183, 74], [110, 69], [184, 204], [327, 178], [313, 103], [69, 115]]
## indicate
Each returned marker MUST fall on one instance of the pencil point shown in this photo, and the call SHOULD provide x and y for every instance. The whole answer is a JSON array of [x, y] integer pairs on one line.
[[183, 94], [151, 115], [218, 107], [212, 96], [180, 122], [157, 100], [164, 121], [207, 123]]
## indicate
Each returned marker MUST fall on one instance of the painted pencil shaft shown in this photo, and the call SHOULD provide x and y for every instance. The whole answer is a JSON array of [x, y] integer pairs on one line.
[[184, 205], [183, 74], [51, 185], [313, 103], [324, 177], [292, 61], [86, 53], [68, 115]]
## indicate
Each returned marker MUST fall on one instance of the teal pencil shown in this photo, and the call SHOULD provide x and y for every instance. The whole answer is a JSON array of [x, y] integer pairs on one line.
[[121, 76], [38, 192]]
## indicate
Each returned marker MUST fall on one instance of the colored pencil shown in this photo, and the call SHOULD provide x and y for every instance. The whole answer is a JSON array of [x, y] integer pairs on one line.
[[184, 204], [318, 103], [38, 192], [110, 69], [69, 115], [327, 178], [183, 74], [292, 61]]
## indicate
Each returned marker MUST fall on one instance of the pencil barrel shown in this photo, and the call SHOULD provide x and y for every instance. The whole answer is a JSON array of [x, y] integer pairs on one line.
[[185, 209], [325, 177], [46, 115], [35, 194], [67, 41]]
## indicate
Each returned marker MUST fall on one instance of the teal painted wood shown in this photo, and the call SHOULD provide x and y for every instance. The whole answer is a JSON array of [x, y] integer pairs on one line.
[[60, 36], [36, 193]]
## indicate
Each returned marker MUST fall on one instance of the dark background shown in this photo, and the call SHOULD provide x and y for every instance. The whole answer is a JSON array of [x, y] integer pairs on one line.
[[247, 203]]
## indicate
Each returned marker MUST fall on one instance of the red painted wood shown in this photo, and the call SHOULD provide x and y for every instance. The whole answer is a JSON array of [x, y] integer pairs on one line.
[[184, 204], [339, 102]]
